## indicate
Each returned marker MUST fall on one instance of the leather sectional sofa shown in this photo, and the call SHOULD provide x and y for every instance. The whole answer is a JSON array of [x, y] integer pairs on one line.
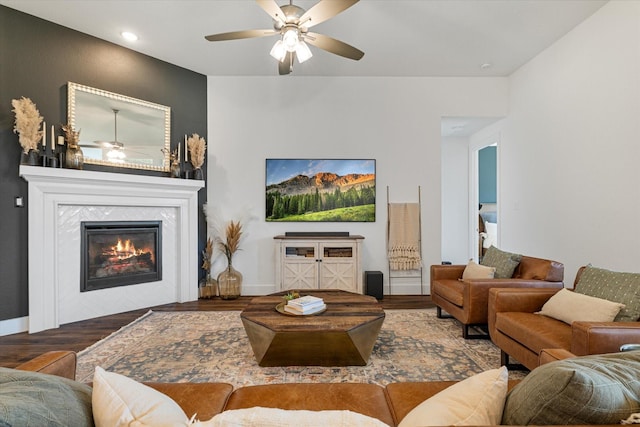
[[389, 404], [467, 299]]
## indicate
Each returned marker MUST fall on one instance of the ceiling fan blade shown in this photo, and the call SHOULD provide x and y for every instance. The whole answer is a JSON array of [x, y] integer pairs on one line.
[[272, 8], [323, 10], [334, 46], [235, 35], [284, 66]]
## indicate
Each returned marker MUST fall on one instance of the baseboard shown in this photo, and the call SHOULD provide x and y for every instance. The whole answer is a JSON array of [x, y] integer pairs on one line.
[[406, 289], [14, 326], [396, 289], [258, 289]]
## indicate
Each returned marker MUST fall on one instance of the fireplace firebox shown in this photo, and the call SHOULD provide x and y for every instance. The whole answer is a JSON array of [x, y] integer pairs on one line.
[[120, 253]]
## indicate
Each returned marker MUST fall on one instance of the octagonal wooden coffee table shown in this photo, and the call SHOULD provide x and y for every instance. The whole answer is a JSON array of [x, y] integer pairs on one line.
[[342, 335]]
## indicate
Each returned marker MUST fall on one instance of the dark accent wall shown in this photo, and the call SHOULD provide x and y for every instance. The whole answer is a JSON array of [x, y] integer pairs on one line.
[[37, 59], [487, 171]]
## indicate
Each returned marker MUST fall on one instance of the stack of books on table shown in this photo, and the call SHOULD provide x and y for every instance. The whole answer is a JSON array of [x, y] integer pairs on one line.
[[307, 304]]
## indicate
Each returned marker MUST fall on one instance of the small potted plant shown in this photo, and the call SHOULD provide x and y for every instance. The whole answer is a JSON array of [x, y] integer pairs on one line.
[[74, 158]]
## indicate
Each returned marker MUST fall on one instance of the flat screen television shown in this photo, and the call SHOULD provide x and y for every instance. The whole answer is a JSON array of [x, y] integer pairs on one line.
[[320, 190]]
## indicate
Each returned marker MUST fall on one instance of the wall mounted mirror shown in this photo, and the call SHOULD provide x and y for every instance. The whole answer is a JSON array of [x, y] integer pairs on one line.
[[117, 130]]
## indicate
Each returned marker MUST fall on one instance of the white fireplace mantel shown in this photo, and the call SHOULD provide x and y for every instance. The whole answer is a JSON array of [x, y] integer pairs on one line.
[[53, 191]]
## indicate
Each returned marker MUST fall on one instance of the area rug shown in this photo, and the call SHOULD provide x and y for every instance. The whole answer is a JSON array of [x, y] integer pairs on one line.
[[413, 345]]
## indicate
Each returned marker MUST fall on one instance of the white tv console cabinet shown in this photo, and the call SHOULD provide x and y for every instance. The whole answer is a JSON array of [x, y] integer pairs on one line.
[[318, 262]]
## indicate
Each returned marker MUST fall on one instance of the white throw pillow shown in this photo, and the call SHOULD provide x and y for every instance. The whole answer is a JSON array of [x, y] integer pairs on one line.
[[478, 400], [272, 417], [121, 401], [569, 306], [477, 271]]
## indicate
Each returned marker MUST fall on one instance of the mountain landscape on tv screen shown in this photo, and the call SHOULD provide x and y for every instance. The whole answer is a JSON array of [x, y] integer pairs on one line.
[[324, 182], [325, 196]]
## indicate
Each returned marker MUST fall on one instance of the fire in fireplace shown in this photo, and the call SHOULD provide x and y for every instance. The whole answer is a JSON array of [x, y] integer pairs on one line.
[[119, 253]]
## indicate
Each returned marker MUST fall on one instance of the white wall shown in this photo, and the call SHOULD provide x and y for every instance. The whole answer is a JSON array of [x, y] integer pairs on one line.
[[455, 200], [571, 147], [394, 120]]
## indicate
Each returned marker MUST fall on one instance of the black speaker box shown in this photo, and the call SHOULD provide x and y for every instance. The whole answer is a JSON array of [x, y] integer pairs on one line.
[[373, 284]]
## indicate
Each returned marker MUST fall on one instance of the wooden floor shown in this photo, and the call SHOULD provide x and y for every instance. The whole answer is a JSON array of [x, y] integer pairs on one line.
[[18, 348]]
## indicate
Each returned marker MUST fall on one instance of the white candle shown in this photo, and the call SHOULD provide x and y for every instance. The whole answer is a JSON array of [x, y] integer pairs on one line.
[[179, 148], [186, 149], [44, 134], [53, 137]]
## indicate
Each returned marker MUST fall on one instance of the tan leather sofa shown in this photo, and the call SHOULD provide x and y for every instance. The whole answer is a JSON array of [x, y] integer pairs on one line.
[[389, 404], [466, 300], [522, 335]]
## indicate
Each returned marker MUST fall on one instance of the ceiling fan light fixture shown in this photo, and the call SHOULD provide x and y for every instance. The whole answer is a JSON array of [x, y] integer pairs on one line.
[[303, 52], [290, 39], [278, 51], [116, 155]]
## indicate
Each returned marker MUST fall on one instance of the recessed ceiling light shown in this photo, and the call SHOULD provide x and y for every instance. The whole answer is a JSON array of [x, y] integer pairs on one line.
[[127, 35], [485, 65]]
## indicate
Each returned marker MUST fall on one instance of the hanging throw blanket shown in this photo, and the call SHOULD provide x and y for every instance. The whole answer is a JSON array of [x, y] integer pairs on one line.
[[403, 236]]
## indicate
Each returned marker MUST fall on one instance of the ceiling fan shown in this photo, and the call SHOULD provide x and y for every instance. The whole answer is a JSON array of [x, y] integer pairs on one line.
[[292, 23], [116, 148], [116, 153]]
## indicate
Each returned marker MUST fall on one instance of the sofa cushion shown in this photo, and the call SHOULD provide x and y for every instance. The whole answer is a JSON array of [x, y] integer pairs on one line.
[[477, 271], [315, 397], [477, 400], [531, 268], [601, 389], [505, 263], [450, 290], [569, 306], [534, 330], [613, 286], [36, 399]]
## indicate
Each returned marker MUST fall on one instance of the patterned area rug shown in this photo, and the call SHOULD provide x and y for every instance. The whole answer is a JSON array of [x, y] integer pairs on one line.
[[413, 345]]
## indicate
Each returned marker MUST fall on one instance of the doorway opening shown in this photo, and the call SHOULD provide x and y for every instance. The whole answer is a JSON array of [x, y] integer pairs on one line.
[[487, 186], [462, 140]]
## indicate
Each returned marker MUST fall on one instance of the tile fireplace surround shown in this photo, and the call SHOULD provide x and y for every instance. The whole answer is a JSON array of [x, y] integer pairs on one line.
[[59, 199]]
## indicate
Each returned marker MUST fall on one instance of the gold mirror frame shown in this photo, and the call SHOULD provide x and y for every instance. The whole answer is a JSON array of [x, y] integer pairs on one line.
[[142, 129]]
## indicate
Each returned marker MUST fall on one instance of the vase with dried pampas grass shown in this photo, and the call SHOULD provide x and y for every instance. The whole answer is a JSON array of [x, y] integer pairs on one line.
[[197, 147], [228, 237], [230, 279], [28, 125]]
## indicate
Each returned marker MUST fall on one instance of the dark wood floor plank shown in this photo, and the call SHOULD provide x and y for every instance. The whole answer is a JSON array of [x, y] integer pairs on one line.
[[18, 348]]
